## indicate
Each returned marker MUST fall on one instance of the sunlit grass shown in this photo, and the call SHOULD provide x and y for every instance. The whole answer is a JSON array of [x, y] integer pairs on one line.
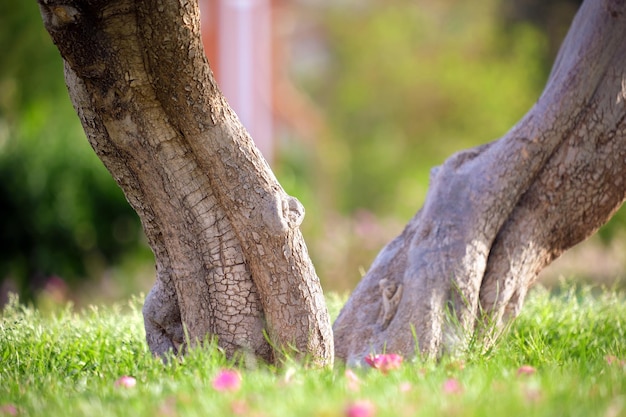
[[563, 356]]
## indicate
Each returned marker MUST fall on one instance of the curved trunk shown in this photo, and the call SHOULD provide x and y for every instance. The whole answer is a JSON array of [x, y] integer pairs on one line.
[[231, 261], [497, 214]]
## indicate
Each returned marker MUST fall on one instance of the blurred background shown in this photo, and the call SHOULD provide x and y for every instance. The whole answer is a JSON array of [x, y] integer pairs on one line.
[[361, 98]]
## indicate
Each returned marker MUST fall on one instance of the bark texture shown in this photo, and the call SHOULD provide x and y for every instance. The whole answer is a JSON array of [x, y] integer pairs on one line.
[[497, 214], [230, 259]]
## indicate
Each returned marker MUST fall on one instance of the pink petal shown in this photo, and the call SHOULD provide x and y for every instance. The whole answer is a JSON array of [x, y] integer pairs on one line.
[[240, 407], [610, 359], [384, 362], [227, 380], [353, 380], [8, 410], [405, 387], [361, 408], [372, 360], [126, 381], [167, 407], [452, 386], [526, 370]]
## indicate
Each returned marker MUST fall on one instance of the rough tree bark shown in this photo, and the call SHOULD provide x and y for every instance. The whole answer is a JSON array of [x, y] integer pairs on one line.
[[496, 215], [230, 259]]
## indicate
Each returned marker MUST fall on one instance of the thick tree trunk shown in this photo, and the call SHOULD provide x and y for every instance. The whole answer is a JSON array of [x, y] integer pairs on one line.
[[230, 259], [497, 214]]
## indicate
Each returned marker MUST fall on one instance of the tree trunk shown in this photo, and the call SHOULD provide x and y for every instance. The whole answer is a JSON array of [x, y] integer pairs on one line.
[[497, 214], [230, 259]]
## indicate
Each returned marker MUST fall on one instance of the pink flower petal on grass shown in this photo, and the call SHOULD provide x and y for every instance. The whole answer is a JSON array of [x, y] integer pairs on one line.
[[240, 408], [8, 410], [610, 359], [405, 387], [526, 370], [384, 362], [452, 386], [227, 380], [361, 408], [126, 381], [353, 381]]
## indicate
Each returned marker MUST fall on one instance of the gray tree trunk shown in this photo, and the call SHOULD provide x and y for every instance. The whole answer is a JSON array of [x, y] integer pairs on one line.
[[496, 215], [231, 262]]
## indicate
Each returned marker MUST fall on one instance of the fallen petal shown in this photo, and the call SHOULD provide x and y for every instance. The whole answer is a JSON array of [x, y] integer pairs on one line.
[[354, 382], [361, 408], [227, 380], [384, 362], [526, 370], [610, 359], [240, 407], [452, 386], [8, 410], [126, 381], [405, 387]]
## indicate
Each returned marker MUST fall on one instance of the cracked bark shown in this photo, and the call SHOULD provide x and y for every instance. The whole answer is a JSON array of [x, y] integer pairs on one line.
[[497, 214], [231, 262]]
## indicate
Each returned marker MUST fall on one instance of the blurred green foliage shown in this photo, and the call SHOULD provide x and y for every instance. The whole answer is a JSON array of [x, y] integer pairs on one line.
[[61, 214], [410, 83]]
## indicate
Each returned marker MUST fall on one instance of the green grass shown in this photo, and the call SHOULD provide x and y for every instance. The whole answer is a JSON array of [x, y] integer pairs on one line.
[[66, 364]]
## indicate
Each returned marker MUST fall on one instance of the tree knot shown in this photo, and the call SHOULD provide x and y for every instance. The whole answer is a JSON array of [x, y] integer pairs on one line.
[[56, 16], [293, 211], [282, 215], [391, 293]]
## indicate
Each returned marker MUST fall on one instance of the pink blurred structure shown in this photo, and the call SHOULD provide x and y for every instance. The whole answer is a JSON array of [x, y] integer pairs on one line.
[[237, 40]]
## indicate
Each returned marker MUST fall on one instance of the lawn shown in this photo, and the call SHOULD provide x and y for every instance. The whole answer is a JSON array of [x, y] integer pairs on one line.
[[563, 356]]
